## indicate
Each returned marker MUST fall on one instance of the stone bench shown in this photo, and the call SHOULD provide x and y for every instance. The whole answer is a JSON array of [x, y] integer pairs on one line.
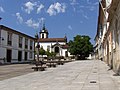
[[60, 62], [39, 68], [51, 64]]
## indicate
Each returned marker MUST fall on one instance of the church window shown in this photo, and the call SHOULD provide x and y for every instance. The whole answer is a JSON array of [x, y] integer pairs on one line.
[[42, 35], [48, 48], [56, 49]]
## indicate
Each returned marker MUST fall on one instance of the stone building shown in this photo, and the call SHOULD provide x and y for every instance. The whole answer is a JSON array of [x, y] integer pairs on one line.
[[114, 28], [110, 36], [15, 46], [102, 28]]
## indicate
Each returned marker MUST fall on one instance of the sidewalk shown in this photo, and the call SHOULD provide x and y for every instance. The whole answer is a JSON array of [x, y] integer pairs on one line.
[[78, 75]]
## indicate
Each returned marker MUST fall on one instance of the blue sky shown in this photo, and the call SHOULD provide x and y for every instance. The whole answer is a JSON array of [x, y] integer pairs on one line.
[[61, 17]]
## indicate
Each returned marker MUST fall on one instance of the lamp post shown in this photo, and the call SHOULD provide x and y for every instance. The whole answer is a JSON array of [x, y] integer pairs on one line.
[[1, 38], [38, 46]]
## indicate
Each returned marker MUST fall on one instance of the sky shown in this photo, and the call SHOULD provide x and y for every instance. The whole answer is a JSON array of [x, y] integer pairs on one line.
[[61, 17]]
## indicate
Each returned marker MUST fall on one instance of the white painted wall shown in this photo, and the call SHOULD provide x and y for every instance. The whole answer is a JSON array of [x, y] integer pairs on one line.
[[14, 55], [63, 52], [108, 2], [15, 41], [44, 45], [15, 46], [2, 52], [48, 44]]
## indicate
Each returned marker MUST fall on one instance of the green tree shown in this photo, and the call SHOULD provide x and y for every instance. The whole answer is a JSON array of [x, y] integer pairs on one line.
[[80, 46], [53, 54], [50, 55], [42, 51]]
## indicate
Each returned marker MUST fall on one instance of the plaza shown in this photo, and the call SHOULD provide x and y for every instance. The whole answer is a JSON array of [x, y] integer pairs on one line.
[[76, 75]]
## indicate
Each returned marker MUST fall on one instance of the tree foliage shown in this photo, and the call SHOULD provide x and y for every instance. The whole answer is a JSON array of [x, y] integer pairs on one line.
[[80, 46], [50, 54], [42, 51]]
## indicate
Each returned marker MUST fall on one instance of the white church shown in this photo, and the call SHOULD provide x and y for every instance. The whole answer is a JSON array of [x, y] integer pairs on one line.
[[57, 45]]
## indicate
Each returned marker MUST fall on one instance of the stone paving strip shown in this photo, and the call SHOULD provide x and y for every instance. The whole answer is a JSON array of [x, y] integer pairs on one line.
[[77, 75], [13, 70]]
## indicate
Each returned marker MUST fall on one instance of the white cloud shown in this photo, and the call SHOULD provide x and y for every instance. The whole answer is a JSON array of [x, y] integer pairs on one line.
[[29, 6], [51, 10], [20, 19], [32, 23], [92, 8], [1, 9], [41, 20], [73, 2], [88, 2], [69, 27], [60, 7], [56, 8], [85, 16], [40, 7], [96, 3]]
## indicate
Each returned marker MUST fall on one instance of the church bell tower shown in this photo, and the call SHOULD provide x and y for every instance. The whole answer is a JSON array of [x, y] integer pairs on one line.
[[44, 32]]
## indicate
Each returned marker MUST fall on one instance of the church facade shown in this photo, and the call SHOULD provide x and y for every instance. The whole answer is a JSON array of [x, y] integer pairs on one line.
[[57, 45]]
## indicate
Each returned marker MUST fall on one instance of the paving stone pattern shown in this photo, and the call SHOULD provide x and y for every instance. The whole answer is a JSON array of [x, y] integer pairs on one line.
[[77, 75], [13, 70]]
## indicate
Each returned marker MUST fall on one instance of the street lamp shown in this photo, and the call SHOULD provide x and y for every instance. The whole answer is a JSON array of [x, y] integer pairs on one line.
[[38, 46], [1, 38]]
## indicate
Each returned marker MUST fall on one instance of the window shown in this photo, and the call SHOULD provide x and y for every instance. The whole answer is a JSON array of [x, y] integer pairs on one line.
[[42, 35], [56, 49], [20, 41], [48, 48], [9, 38], [31, 54], [25, 56], [26, 43], [31, 44]]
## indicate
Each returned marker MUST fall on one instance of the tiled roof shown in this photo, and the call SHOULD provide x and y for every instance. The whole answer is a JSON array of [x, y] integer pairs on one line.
[[15, 31], [52, 40]]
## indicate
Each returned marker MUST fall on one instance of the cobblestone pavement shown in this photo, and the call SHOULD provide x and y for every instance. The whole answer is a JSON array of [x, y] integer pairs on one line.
[[13, 70], [78, 75]]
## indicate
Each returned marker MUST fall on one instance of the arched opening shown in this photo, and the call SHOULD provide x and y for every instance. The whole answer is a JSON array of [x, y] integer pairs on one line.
[[56, 49]]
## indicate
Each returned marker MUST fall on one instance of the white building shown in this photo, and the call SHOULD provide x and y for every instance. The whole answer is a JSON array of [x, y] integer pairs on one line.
[[57, 45], [15, 46]]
